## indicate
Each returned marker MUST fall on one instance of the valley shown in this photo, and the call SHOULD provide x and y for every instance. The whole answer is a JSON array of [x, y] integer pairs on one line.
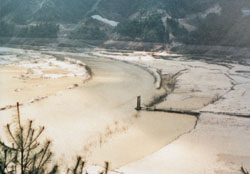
[[85, 98]]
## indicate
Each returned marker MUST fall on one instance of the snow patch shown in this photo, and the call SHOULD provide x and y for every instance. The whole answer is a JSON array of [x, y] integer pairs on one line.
[[214, 10], [42, 66], [245, 12], [105, 20]]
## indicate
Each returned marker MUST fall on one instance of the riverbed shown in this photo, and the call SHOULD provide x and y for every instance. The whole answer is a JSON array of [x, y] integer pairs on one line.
[[96, 119]]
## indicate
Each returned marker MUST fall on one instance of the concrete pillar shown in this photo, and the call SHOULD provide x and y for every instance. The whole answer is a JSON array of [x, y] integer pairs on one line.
[[138, 107]]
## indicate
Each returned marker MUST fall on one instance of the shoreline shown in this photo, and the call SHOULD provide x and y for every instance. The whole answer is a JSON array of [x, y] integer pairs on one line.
[[38, 72], [200, 87], [76, 111]]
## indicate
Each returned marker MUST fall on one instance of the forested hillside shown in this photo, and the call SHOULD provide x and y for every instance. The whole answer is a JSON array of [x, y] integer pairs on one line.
[[208, 22]]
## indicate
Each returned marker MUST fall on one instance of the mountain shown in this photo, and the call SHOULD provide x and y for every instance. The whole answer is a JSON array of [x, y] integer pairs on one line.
[[208, 22], [26, 11], [60, 11]]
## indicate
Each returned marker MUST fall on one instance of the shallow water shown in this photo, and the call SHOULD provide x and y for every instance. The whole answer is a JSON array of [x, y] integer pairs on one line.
[[98, 120]]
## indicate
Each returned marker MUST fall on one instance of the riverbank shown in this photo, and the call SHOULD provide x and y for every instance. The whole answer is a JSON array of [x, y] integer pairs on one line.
[[219, 90], [96, 119], [30, 76]]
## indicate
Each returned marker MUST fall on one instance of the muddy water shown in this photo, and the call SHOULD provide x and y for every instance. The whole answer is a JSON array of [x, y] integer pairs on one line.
[[133, 135], [98, 120]]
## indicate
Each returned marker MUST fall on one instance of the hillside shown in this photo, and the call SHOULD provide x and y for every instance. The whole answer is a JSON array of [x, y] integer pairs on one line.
[[207, 22]]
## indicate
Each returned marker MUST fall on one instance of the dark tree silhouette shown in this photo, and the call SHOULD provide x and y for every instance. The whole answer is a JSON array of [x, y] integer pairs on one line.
[[23, 153]]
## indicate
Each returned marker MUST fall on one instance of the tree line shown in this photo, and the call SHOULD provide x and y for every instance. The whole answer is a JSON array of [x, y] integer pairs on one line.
[[41, 30]]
